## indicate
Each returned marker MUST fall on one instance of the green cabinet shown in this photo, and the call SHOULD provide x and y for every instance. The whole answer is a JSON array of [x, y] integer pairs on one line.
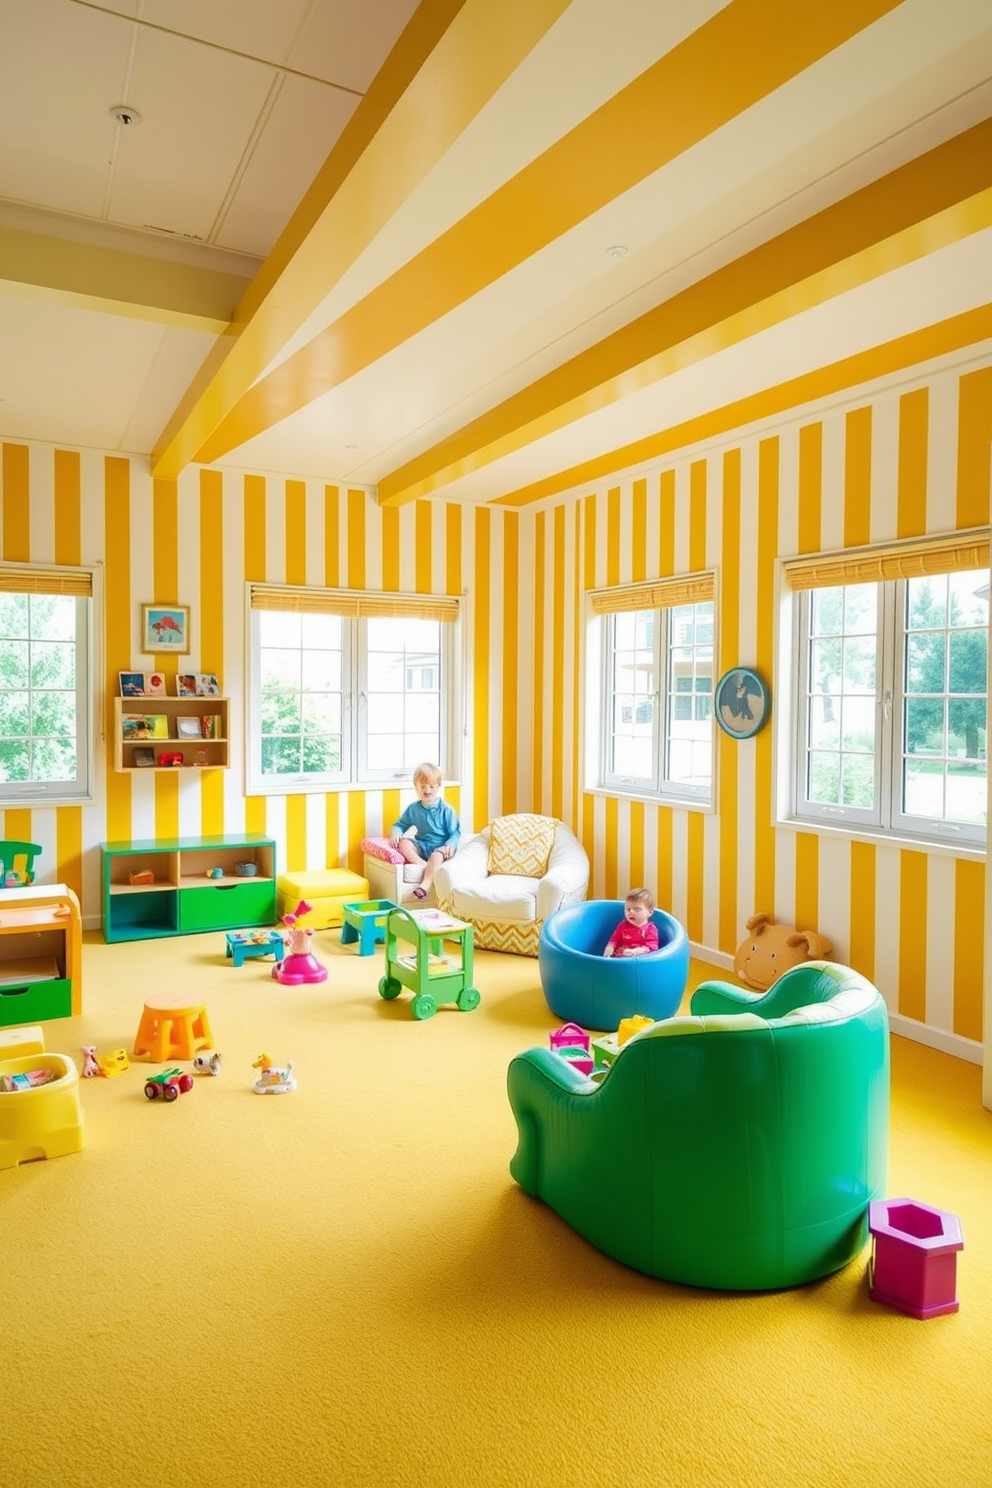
[[172, 887]]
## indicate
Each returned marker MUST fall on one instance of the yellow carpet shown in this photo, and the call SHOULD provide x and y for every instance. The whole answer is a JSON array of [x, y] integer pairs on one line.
[[343, 1286]]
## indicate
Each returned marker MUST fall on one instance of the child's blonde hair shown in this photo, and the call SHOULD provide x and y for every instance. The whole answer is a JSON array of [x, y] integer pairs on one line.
[[640, 896], [427, 772]]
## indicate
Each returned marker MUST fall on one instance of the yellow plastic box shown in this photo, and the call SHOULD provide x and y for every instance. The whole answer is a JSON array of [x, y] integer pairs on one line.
[[46, 1121], [326, 890], [14, 1041]]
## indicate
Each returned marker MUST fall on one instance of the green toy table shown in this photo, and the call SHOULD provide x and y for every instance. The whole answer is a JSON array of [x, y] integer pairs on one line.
[[432, 974]]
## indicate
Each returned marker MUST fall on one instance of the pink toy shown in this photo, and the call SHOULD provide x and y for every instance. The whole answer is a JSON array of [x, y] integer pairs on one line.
[[572, 1043], [914, 1257], [300, 965], [90, 1066]]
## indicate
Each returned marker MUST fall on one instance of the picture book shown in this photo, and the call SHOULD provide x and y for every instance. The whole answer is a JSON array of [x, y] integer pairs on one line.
[[145, 726], [197, 684]]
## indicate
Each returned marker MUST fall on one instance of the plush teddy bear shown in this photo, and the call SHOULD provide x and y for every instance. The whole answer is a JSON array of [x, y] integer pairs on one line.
[[771, 949]]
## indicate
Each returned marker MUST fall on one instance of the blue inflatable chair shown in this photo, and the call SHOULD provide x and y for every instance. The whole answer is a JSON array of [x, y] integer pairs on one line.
[[583, 986]]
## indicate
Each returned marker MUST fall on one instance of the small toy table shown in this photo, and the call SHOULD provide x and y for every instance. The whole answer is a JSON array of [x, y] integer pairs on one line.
[[431, 976], [244, 943], [365, 921]]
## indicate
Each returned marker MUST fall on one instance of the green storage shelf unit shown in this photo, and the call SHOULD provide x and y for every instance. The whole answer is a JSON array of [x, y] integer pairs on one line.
[[181, 899]]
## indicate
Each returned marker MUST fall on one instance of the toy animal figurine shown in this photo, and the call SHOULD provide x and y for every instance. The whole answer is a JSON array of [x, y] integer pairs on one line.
[[114, 1062], [207, 1063], [274, 1080], [300, 965], [90, 1066], [771, 949]]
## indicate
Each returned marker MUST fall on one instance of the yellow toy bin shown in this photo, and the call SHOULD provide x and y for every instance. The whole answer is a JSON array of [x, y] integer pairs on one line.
[[46, 1121], [326, 890]]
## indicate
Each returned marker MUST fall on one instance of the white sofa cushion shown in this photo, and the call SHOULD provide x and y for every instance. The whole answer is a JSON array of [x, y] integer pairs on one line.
[[504, 896]]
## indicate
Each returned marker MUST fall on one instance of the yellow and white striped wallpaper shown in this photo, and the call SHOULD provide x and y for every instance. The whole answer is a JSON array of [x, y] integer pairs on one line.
[[196, 541], [905, 461]]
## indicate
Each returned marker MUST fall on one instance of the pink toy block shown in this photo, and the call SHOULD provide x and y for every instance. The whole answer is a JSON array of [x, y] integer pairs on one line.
[[914, 1257]]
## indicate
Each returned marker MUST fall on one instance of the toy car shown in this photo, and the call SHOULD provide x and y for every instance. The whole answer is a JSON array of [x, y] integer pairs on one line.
[[168, 1084]]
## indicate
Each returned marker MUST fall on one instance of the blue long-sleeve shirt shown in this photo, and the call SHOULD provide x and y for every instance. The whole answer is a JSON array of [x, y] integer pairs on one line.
[[436, 825]]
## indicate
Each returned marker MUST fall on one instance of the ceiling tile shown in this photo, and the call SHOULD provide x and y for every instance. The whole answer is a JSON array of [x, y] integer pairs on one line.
[[305, 121], [345, 43], [265, 31], [199, 109], [77, 376], [56, 133]]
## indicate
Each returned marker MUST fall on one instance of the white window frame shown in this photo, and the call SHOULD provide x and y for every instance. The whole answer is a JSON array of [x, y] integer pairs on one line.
[[598, 733], [47, 579], [355, 774], [885, 821]]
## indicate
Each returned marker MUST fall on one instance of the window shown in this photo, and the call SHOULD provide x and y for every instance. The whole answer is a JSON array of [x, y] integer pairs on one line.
[[45, 717], [349, 689], [892, 702], [650, 689]]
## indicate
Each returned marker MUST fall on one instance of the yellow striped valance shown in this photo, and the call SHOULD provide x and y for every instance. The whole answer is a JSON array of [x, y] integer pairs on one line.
[[353, 604], [15, 579], [657, 594], [956, 553]]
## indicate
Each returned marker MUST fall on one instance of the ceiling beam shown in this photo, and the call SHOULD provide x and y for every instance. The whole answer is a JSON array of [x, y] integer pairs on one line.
[[946, 337], [937, 199], [715, 74], [451, 59], [36, 266]]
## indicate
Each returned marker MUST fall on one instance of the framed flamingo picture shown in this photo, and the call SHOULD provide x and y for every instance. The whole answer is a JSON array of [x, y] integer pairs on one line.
[[164, 628]]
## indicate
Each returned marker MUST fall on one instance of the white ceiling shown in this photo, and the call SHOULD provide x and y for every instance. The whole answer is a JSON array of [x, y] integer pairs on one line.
[[443, 312]]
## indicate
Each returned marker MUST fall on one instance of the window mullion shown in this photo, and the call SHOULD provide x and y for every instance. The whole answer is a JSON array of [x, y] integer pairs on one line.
[[661, 741], [893, 686]]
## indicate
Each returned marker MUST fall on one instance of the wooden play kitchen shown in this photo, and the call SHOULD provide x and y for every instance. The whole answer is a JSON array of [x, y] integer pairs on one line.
[[40, 954]]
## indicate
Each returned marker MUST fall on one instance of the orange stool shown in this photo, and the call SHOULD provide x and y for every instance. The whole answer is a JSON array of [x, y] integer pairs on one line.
[[172, 1028]]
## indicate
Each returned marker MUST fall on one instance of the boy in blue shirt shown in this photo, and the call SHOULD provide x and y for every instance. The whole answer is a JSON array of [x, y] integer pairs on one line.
[[436, 826]]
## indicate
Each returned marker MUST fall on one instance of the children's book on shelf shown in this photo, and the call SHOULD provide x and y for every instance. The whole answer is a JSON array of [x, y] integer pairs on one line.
[[197, 684], [145, 726], [142, 684], [210, 723]]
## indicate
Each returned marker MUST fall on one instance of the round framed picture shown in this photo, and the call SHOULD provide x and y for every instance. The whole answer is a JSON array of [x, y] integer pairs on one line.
[[741, 703]]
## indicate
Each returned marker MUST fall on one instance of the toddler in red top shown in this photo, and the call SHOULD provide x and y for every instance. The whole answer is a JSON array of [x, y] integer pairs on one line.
[[636, 934]]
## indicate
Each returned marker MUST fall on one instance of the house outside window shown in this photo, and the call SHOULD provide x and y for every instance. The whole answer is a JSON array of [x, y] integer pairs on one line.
[[46, 719], [891, 706], [650, 689], [349, 689]]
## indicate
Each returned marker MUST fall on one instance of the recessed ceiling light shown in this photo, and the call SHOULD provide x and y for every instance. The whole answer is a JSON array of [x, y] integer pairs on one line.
[[125, 115], [617, 251]]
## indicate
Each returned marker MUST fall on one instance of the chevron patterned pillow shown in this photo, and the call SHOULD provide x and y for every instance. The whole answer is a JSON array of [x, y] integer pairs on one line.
[[521, 844]]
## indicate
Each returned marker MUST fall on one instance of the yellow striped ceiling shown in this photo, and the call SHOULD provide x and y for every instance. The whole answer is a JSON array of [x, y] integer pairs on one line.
[[443, 315]]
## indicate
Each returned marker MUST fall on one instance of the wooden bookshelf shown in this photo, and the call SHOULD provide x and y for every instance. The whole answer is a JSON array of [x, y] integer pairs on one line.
[[215, 751]]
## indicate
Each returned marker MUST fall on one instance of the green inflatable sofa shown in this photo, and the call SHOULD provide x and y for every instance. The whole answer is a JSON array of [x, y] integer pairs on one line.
[[737, 1148]]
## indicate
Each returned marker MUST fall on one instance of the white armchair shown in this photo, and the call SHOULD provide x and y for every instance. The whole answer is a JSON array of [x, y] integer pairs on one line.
[[510, 877]]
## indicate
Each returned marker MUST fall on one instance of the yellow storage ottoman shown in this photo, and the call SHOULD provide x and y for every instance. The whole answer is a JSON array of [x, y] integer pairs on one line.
[[326, 890]]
